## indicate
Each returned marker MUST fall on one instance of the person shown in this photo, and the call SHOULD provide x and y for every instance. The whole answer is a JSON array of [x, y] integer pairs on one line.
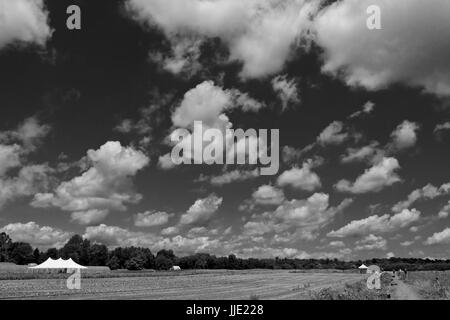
[[406, 273]]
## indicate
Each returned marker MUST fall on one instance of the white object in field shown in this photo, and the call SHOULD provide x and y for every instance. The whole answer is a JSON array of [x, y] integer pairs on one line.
[[59, 264], [363, 268], [175, 268]]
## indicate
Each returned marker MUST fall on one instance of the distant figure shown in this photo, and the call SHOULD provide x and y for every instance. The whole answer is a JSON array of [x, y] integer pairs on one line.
[[406, 273]]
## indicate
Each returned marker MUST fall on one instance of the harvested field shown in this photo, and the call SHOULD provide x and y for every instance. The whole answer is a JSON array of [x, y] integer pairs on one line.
[[186, 285]]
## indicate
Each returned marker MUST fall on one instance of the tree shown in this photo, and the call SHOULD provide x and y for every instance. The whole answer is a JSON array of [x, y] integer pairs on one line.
[[113, 263], [21, 253], [73, 248], [98, 254], [135, 263], [52, 253], [5, 244], [37, 255]]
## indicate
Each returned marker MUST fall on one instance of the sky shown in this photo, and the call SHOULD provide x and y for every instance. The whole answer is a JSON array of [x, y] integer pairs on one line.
[[363, 116]]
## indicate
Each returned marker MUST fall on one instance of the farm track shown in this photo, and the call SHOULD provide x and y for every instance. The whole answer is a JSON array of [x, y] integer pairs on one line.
[[218, 285]]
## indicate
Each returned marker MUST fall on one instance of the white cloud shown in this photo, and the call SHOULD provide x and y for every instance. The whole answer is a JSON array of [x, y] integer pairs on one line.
[[105, 185], [165, 162], [369, 153], [442, 127], [268, 195], [37, 236], [427, 192], [444, 212], [89, 217], [151, 219], [230, 177], [442, 237], [202, 210], [411, 47], [260, 34], [23, 21], [404, 136], [377, 224], [286, 90], [207, 103], [371, 242], [375, 179], [333, 134], [300, 178], [367, 108]]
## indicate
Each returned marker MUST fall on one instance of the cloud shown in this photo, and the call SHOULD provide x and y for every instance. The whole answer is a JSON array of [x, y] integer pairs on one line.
[[268, 195], [305, 217], [207, 103], [286, 90], [371, 242], [377, 224], [442, 237], [404, 136], [151, 219], [427, 192], [375, 179], [409, 49], [260, 34], [230, 177], [89, 217], [29, 134], [370, 153], [300, 178], [165, 162], [334, 134], [367, 108], [105, 185], [37, 236], [23, 21], [202, 210], [444, 212]]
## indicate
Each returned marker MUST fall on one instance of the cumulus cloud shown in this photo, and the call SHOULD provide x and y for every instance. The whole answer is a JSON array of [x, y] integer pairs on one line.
[[444, 212], [105, 185], [286, 90], [404, 136], [334, 134], [23, 21], [377, 224], [260, 34], [410, 48], [427, 192], [442, 237], [367, 108], [208, 103], [300, 178], [151, 219], [369, 153], [230, 177], [202, 210], [268, 195], [305, 217], [375, 179], [37, 236], [371, 242]]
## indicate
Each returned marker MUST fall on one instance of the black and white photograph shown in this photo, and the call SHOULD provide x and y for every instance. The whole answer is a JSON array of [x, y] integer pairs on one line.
[[224, 150]]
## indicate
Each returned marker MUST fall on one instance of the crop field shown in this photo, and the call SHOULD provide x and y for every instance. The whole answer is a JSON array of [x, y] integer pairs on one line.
[[189, 285], [431, 285]]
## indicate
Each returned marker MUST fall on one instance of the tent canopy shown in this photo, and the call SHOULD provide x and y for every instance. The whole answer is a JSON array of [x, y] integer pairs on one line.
[[363, 266], [58, 264]]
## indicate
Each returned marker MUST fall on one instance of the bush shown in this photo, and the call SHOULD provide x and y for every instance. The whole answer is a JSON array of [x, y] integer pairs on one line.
[[135, 264]]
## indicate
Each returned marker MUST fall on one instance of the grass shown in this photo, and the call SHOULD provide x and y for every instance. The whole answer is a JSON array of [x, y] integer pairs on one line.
[[431, 285], [184, 285], [354, 291]]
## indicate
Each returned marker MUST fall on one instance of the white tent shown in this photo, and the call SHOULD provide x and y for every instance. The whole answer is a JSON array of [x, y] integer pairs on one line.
[[58, 264], [363, 268]]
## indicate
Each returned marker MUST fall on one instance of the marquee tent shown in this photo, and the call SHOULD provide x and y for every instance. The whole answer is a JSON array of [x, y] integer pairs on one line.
[[59, 264]]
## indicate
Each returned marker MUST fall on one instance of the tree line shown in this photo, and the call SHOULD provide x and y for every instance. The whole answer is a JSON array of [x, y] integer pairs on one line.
[[86, 253]]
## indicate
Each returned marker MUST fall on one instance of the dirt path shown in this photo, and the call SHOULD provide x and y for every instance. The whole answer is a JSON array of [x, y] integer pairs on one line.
[[402, 291]]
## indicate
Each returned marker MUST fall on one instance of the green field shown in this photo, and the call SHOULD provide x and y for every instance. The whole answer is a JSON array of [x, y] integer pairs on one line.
[[210, 284]]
